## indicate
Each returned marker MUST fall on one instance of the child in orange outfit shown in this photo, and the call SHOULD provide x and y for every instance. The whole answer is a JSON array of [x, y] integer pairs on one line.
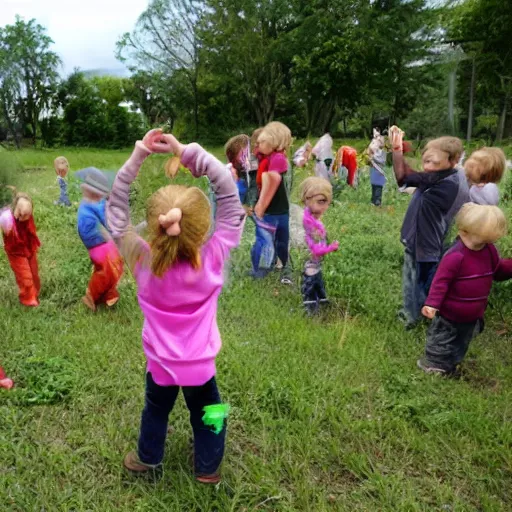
[[92, 228], [21, 245]]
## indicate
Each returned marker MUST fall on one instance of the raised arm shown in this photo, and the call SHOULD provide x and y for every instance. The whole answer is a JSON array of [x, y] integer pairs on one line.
[[400, 166], [229, 219]]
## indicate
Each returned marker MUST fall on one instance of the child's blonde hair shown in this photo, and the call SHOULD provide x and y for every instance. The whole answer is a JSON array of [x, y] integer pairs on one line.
[[277, 134], [254, 137], [450, 145], [314, 186], [487, 222], [18, 196], [486, 165], [59, 163], [166, 250]]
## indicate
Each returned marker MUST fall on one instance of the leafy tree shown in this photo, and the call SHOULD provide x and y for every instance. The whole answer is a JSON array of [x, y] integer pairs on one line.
[[29, 73]]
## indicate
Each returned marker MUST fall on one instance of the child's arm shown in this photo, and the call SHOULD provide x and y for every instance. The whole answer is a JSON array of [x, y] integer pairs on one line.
[[313, 228], [229, 219], [400, 166], [6, 221], [445, 274], [504, 270]]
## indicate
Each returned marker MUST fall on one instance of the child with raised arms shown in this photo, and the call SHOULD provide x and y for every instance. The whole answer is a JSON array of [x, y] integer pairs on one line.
[[460, 290], [179, 276]]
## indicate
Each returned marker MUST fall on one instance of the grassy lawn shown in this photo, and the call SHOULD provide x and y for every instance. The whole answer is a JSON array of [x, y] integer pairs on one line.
[[326, 414]]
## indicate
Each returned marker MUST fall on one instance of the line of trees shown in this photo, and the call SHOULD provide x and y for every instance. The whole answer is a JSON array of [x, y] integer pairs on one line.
[[208, 68]]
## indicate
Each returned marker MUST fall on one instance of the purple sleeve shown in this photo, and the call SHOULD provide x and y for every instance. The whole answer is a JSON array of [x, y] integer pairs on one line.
[[118, 208], [278, 163], [504, 270], [230, 216], [446, 272]]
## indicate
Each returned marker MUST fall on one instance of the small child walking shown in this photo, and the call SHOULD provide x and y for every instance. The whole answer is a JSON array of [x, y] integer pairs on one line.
[[458, 296], [21, 244], [377, 155], [484, 168], [316, 195], [179, 275], [61, 165], [92, 228]]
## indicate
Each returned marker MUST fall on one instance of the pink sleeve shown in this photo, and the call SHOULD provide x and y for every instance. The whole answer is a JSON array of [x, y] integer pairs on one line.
[[229, 221], [278, 163], [6, 221]]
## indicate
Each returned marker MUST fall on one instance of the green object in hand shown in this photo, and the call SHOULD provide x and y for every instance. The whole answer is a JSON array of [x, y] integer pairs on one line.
[[214, 416]]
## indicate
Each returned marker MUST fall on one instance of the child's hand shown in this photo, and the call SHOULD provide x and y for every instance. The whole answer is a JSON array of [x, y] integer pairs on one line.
[[335, 245], [176, 146], [248, 210], [396, 138], [428, 312], [155, 141]]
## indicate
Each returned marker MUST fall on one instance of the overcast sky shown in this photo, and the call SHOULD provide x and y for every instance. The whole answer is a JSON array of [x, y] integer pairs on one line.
[[85, 32]]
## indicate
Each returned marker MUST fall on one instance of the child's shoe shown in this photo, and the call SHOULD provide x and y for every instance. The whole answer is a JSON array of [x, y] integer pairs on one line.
[[133, 464], [213, 479], [425, 366], [6, 383], [286, 276]]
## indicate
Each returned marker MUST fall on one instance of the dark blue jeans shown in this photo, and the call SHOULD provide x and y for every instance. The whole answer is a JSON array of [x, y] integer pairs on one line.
[[208, 446], [281, 239]]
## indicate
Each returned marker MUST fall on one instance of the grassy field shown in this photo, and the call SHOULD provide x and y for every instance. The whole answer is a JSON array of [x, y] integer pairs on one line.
[[327, 414]]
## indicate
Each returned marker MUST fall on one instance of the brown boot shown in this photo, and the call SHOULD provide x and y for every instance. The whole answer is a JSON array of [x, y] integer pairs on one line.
[[133, 464]]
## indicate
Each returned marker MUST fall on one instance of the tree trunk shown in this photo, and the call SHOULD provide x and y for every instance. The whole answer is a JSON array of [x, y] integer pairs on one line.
[[503, 119], [451, 100], [471, 101]]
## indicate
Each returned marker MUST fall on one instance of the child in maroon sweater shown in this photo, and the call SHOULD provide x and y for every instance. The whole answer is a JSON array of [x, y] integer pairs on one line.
[[458, 296]]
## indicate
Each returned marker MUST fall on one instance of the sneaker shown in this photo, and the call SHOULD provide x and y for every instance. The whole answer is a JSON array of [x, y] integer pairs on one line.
[[133, 464], [286, 276], [423, 365]]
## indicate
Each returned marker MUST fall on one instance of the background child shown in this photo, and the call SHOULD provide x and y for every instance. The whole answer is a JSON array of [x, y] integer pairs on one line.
[[237, 151], [324, 158], [61, 168], [440, 192], [179, 276], [273, 207], [458, 296], [302, 155], [21, 245], [316, 194], [346, 165], [377, 155], [484, 168], [92, 228]]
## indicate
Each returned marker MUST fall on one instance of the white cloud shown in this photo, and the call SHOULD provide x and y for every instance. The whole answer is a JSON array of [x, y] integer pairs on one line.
[[85, 32]]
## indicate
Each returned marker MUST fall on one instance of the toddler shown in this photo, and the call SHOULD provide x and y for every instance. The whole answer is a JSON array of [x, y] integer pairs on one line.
[[61, 168], [458, 296]]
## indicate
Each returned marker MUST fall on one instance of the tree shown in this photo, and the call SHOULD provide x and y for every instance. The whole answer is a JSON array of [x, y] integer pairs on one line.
[[166, 40], [29, 75]]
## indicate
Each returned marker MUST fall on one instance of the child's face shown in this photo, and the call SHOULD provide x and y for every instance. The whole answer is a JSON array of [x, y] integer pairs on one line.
[[472, 240], [23, 210], [435, 160], [264, 147], [318, 205], [62, 169]]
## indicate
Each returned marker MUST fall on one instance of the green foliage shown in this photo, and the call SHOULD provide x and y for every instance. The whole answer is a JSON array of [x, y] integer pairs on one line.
[[9, 176]]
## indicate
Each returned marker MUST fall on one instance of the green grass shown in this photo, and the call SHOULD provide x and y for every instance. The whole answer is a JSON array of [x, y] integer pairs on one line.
[[326, 414]]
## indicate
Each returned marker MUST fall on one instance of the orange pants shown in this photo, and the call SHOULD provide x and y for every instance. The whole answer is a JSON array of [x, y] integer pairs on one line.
[[105, 277], [27, 277]]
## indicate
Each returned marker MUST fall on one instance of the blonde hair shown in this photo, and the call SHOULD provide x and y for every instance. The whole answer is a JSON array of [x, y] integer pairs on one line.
[[486, 165], [254, 137], [452, 146], [277, 134], [487, 222], [314, 186], [166, 250], [21, 195], [60, 162]]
